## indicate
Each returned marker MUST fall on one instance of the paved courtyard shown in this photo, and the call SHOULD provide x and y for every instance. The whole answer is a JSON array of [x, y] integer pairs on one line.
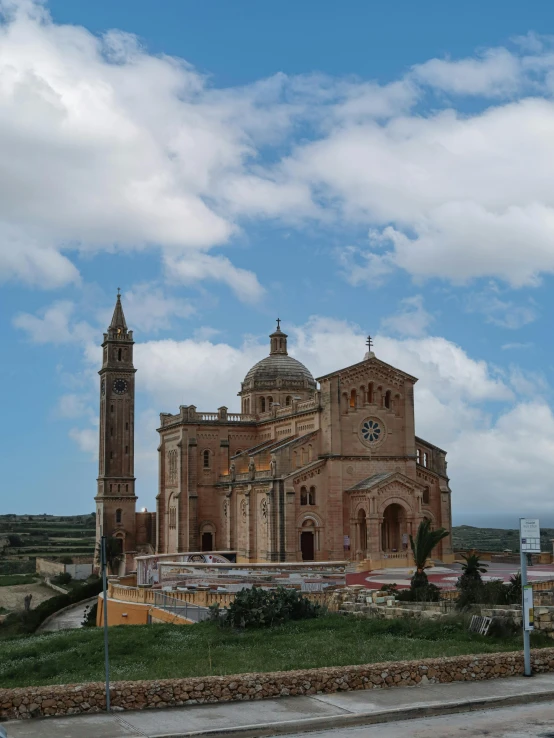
[[446, 576]]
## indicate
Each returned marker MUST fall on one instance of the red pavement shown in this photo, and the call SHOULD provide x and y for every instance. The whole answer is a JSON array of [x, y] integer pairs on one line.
[[446, 579]]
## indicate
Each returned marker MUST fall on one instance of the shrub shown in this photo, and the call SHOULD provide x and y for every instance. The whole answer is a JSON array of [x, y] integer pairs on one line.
[[63, 578], [256, 607], [89, 619], [423, 593], [15, 540]]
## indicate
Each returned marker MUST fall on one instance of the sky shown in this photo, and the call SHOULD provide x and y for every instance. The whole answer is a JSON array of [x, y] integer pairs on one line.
[[362, 168]]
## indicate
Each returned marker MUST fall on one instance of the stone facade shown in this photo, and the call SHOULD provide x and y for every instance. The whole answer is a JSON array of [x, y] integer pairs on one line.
[[329, 474], [27, 702], [302, 474]]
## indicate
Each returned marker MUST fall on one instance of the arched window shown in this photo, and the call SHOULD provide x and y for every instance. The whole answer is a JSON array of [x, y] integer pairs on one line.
[[118, 514], [311, 496], [370, 393], [262, 404], [206, 459], [418, 455], [310, 452], [119, 355], [295, 459], [126, 488], [119, 488], [353, 398], [425, 458], [426, 496], [387, 399], [269, 402], [303, 496], [238, 451], [303, 454], [111, 408], [288, 400]]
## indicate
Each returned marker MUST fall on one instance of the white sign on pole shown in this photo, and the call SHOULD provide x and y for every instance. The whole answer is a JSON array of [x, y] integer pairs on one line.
[[528, 610], [530, 535]]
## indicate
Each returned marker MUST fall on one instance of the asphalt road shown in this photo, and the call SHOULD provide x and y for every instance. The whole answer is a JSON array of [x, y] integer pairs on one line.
[[529, 721]]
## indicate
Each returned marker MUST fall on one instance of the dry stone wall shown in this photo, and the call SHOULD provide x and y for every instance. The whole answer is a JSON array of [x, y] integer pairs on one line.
[[85, 698]]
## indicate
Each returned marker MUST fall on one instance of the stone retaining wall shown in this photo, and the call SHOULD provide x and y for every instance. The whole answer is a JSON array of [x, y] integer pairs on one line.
[[85, 698]]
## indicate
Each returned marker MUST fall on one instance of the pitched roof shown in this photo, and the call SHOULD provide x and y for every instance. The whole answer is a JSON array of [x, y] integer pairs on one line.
[[372, 360]]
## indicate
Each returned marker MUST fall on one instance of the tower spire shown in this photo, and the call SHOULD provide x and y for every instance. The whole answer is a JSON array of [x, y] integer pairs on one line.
[[118, 319]]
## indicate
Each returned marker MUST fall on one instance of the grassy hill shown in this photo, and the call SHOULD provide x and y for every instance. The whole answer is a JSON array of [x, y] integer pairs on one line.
[[24, 537], [494, 539]]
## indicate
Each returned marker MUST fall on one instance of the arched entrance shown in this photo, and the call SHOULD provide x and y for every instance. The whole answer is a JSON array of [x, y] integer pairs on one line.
[[307, 540], [393, 528], [207, 536], [362, 534]]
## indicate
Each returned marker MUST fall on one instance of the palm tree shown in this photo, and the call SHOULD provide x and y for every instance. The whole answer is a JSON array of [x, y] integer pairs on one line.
[[473, 567], [114, 554], [424, 543]]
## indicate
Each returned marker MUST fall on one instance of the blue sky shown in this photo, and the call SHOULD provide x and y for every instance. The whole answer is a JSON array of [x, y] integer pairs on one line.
[[385, 169]]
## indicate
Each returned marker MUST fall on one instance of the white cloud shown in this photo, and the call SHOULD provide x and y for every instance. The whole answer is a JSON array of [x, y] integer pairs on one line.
[[152, 309], [496, 72], [87, 440], [500, 311], [144, 153], [73, 406], [190, 269], [411, 320], [53, 325]]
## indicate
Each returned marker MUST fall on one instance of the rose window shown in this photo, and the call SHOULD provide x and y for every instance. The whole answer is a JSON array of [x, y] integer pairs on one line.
[[371, 431]]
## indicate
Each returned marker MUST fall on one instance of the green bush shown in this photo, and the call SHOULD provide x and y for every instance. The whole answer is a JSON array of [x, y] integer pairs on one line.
[[494, 593], [63, 578], [89, 619], [256, 607]]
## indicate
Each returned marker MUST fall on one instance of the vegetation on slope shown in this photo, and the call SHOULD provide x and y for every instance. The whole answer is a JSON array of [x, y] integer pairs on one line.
[[165, 651]]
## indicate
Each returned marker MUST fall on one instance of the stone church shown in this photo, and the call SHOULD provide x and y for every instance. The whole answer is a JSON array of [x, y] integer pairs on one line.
[[311, 469]]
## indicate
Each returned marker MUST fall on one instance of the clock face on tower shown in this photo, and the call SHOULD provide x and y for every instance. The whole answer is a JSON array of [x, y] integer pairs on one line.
[[119, 386]]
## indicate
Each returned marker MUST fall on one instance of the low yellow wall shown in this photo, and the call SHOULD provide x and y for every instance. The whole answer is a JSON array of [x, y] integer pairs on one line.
[[122, 613]]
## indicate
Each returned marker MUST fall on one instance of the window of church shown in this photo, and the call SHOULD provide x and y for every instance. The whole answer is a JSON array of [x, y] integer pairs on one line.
[[387, 399], [206, 459], [126, 488], [118, 514], [310, 452], [126, 426], [111, 408], [111, 432], [269, 402], [426, 496], [119, 488], [126, 449], [353, 398], [262, 404], [370, 393], [311, 496], [288, 400], [425, 459], [303, 496], [418, 455], [119, 355]]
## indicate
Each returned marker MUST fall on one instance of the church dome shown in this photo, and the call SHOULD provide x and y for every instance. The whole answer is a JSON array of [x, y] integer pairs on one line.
[[279, 369]]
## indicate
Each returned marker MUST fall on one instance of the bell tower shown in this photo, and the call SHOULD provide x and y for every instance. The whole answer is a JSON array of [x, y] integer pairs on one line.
[[115, 500]]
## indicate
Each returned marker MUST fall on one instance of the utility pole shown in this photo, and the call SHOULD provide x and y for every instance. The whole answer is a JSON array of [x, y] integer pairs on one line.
[[529, 542], [103, 561]]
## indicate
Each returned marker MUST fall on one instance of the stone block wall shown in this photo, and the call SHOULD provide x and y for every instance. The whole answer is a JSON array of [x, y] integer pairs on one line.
[[73, 699]]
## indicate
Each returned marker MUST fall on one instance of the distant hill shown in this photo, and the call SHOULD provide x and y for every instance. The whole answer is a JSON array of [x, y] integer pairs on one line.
[[494, 539]]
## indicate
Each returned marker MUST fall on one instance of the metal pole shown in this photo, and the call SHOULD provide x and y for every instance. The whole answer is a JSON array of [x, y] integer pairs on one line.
[[526, 635], [105, 587]]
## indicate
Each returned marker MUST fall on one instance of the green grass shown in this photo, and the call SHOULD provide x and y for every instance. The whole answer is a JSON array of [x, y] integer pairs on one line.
[[10, 580], [164, 651]]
